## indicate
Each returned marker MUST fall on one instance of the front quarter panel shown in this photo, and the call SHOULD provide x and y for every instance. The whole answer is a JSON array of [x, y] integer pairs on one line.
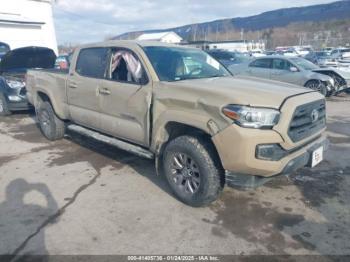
[[184, 107], [321, 77]]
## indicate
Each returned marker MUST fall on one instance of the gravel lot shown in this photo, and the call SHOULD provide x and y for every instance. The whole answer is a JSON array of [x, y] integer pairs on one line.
[[80, 197]]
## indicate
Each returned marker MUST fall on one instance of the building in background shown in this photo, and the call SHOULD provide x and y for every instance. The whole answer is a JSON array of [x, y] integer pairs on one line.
[[243, 46], [165, 37], [27, 23], [239, 45]]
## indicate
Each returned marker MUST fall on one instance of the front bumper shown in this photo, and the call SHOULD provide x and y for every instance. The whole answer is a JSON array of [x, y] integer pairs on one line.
[[18, 103], [20, 106], [236, 147], [302, 160], [343, 88]]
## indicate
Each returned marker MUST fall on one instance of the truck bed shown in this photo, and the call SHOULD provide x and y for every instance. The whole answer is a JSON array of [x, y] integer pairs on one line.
[[49, 81]]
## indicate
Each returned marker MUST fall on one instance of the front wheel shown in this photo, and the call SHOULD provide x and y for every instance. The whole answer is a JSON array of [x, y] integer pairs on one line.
[[4, 111], [318, 86], [193, 170], [51, 126]]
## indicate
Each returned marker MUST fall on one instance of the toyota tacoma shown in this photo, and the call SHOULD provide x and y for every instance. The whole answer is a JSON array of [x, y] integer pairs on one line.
[[204, 128]]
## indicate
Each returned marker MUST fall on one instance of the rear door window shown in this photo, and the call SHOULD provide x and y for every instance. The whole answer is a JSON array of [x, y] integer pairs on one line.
[[261, 63], [92, 62]]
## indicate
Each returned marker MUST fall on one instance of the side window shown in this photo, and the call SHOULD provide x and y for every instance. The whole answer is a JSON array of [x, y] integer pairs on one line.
[[125, 66], [92, 62], [281, 64], [288, 65], [261, 63]]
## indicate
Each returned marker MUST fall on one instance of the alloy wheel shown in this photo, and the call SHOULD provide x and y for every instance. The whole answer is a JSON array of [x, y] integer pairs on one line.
[[44, 120], [185, 173], [315, 86]]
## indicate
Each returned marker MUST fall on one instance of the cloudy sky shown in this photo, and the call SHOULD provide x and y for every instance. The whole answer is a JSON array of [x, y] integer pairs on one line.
[[81, 21]]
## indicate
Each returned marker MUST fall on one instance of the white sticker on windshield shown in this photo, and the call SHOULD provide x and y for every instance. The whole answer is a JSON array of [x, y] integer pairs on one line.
[[211, 61]]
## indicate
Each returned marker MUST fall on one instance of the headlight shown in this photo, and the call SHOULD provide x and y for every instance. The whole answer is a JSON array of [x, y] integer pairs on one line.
[[252, 117], [15, 84]]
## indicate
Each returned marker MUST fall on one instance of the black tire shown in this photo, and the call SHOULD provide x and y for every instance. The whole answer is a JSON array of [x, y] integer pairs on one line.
[[206, 178], [4, 110], [51, 126], [318, 86]]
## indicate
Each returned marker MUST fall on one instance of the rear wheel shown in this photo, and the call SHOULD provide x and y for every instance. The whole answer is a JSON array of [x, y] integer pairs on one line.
[[193, 170], [4, 111], [318, 86], [51, 126]]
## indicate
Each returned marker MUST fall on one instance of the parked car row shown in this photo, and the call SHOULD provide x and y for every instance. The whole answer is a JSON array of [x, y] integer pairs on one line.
[[294, 70], [327, 57]]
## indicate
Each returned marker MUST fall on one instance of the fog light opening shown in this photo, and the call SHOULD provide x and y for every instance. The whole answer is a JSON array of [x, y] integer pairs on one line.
[[270, 152]]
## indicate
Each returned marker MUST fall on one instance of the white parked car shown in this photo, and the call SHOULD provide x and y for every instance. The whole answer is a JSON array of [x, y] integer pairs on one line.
[[341, 54]]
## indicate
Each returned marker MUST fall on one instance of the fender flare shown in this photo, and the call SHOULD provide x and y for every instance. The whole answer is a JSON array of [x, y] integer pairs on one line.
[[60, 112]]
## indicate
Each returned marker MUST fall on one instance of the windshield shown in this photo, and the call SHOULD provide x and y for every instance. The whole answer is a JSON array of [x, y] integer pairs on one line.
[[176, 63], [303, 63]]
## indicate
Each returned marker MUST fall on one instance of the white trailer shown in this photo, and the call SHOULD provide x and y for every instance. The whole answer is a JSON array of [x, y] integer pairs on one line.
[[27, 23]]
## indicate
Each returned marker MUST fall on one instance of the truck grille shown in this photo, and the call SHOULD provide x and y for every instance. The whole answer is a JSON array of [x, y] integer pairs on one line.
[[307, 120]]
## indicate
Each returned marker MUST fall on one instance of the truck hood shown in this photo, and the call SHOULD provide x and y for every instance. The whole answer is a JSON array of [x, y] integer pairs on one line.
[[240, 90]]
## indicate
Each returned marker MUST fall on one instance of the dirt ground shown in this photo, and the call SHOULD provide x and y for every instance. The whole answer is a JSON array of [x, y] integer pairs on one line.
[[80, 197]]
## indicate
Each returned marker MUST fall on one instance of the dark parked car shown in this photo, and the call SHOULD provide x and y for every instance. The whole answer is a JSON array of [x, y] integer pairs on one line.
[[13, 67], [228, 58], [321, 58]]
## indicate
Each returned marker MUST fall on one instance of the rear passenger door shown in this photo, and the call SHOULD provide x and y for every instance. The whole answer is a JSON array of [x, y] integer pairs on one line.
[[83, 84], [125, 97], [260, 68]]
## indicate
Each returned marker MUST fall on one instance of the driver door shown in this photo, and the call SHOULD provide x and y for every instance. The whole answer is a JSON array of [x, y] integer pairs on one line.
[[281, 71]]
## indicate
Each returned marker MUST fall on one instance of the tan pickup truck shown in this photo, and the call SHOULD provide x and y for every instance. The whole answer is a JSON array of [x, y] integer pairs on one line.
[[204, 127]]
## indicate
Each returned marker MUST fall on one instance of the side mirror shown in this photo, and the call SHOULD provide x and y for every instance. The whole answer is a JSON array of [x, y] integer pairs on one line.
[[293, 69]]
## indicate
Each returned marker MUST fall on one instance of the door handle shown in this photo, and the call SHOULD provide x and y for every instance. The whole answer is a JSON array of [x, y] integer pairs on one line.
[[104, 91], [72, 85]]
